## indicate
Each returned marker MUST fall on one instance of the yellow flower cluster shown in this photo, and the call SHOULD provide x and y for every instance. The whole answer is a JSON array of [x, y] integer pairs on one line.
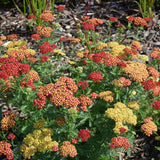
[[15, 43], [38, 141], [143, 58], [59, 52], [138, 71], [80, 54], [133, 104], [117, 49], [100, 46], [121, 114], [71, 62], [107, 96]]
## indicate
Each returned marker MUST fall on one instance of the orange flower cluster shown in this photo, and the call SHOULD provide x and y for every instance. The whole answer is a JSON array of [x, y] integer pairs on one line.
[[94, 95], [20, 54], [138, 21], [155, 54], [89, 24], [60, 93], [46, 16], [138, 71], [5, 149], [44, 31], [131, 52], [149, 127], [120, 142], [2, 38], [84, 101], [68, 149], [122, 82], [136, 45], [8, 121], [153, 72]]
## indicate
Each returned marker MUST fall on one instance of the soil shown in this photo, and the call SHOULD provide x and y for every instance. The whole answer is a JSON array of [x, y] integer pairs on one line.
[[13, 23]]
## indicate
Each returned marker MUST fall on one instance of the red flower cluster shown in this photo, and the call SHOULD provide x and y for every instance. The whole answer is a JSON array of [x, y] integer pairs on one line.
[[122, 130], [11, 136], [8, 121], [47, 47], [83, 84], [138, 21], [130, 51], [84, 134], [44, 58], [5, 149], [96, 76], [61, 8], [31, 16], [12, 37], [156, 104], [98, 57], [68, 149], [120, 142], [36, 36], [13, 69], [46, 16], [113, 19], [152, 85], [122, 82]]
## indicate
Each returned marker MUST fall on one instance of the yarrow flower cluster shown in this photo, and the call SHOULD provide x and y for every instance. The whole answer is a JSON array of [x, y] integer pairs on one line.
[[44, 58], [113, 19], [137, 71], [133, 104], [8, 122], [46, 47], [11, 136], [152, 85], [121, 114], [44, 31], [138, 21], [12, 37], [38, 141], [155, 54], [60, 93], [120, 142], [96, 76], [46, 16], [107, 96], [84, 134], [89, 24], [83, 84], [122, 82], [61, 8], [5, 149], [149, 126], [156, 104], [68, 149]]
